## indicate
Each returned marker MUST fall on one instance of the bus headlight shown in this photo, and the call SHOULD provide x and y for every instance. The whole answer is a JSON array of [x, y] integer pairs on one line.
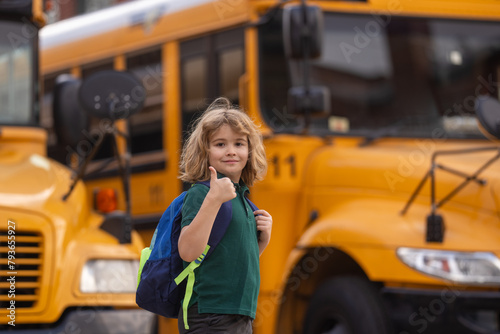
[[109, 276], [458, 267]]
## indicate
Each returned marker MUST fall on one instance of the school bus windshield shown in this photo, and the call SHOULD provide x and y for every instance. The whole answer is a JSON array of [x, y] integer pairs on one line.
[[388, 76], [16, 74]]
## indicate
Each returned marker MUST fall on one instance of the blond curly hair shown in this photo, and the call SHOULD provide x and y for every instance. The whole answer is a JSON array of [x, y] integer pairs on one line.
[[194, 159]]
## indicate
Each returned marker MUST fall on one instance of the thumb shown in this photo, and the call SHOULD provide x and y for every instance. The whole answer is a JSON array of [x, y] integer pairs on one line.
[[213, 173]]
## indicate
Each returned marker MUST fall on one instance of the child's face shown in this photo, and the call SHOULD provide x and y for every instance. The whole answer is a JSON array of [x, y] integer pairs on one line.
[[228, 152]]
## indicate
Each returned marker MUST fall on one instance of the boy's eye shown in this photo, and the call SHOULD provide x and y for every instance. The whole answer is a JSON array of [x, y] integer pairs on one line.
[[219, 144]]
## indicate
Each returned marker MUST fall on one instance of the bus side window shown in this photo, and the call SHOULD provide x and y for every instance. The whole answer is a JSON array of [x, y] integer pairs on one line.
[[195, 80], [229, 50], [231, 66], [210, 67], [146, 127]]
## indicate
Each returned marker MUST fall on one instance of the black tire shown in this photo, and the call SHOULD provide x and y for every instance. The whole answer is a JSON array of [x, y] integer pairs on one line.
[[346, 305]]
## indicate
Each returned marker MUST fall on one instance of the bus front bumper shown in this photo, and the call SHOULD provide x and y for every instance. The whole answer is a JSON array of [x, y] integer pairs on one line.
[[447, 310]]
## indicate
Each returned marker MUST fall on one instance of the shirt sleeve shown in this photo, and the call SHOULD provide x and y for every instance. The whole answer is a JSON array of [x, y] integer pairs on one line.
[[192, 203]]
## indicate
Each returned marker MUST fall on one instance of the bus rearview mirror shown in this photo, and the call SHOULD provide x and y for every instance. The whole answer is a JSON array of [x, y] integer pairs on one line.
[[488, 116], [313, 101], [70, 122], [112, 94], [302, 31]]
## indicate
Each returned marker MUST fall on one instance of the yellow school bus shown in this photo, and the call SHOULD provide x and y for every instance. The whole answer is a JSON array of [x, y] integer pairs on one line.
[[383, 189], [62, 268]]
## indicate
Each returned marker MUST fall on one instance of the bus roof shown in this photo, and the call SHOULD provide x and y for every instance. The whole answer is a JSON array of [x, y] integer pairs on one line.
[[112, 18], [134, 25]]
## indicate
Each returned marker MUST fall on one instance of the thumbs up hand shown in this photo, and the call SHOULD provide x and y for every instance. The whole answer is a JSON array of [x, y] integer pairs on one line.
[[222, 189]]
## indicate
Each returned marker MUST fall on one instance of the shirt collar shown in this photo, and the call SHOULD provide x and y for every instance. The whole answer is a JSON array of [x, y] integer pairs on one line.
[[239, 186]]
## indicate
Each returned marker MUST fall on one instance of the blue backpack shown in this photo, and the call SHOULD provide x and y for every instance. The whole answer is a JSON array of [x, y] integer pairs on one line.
[[160, 287]]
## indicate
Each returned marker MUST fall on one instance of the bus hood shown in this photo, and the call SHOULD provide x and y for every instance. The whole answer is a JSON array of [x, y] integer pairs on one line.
[[395, 167], [32, 184], [359, 193], [30, 180]]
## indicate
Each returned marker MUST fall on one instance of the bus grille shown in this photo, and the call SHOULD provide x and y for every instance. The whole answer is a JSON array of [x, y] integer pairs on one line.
[[26, 269]]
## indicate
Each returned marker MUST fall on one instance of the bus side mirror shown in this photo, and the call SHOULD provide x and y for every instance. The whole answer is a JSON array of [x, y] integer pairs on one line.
[[488, 115], [314, 100], [302, 31], [112, 94], [70, 122], [303, 39]]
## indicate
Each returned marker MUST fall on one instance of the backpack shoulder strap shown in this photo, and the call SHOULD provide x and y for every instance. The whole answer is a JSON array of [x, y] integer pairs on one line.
[[167, 227], [253, 206], [221, 223]]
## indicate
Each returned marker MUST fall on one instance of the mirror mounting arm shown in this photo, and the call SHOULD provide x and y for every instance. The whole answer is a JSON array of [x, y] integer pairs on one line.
[[125, 172], [108, 95], [88, 158], [305, 35], [435, 222]]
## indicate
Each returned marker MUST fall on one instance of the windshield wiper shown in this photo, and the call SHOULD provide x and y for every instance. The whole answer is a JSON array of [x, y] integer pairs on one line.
[[386, 131], [392, 129]]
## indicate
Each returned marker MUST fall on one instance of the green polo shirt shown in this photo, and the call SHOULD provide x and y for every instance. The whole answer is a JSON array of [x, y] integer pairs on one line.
[[228, 281]]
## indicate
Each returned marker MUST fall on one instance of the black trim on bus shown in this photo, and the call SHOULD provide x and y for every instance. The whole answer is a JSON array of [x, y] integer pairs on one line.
[[78, 317], [145, 222], [444, 310], [115, 172], [19, 7]]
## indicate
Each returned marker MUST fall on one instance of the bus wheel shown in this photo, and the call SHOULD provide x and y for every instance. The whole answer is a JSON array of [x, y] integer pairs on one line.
[[346, 305]]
